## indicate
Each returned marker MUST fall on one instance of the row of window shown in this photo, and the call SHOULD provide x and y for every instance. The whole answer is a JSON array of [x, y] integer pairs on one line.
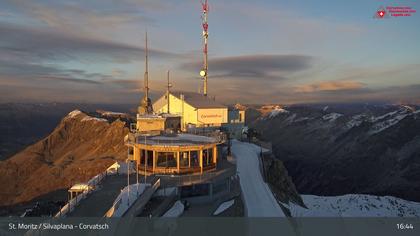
[[168, 159]]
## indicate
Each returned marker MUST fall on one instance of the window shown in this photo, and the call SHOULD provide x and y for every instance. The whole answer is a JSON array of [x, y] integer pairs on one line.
[[195, 162], [148, 155], [207, 157], [183, 159], [142, 156], [166, 159]]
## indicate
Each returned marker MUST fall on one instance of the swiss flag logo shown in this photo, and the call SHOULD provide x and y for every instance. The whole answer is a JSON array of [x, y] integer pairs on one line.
[[381, 13]]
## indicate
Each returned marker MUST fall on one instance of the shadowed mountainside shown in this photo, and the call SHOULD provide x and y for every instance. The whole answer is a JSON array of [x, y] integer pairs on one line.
[[341, 150]]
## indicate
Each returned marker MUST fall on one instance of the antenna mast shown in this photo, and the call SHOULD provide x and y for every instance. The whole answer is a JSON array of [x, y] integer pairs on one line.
[[146, 104], [146, 72], [204, 71], [169, 85]]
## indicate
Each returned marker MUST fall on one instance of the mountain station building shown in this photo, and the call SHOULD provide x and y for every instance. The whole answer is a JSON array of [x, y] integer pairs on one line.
[[195, 109]]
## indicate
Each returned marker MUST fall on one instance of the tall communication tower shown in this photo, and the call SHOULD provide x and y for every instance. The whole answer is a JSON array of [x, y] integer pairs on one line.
[[204, 71], [146, 71], [146, 104]]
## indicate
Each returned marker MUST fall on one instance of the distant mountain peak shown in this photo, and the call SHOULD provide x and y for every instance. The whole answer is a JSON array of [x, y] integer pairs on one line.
[[74, 113]]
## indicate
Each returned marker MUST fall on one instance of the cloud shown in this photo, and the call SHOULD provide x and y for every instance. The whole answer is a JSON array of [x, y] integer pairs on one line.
[[329, 86], [254, 66], [15, 72], [88, 17], [42, 44]]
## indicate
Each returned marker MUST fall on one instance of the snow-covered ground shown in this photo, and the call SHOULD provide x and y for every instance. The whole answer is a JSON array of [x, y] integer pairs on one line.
[[258, 198], [74, 113], [112, 113], [223, 207], [385, 121], [90, 118], [354, 205], [126, 199], [176, 210], [331, 117]]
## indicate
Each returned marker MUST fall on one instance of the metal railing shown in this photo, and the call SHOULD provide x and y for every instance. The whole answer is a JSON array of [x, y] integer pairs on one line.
[[205, 177], [72, 203]]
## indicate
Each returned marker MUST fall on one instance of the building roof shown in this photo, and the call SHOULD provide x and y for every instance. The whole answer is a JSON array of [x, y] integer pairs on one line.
[[80, 187], [198, 100], [156, 116]]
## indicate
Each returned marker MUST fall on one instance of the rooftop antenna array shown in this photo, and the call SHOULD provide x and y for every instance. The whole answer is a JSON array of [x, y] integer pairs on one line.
[[146, 71], [146, 104]]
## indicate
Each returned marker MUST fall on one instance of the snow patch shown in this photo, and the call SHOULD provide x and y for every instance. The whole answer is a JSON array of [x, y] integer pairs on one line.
[[89, 118], [301, 119], [354, 205], [112, 113], [291, 118], [408, 108], [392, 118], [276, 111], [74, 113], [378, 127], [176, 210], [331, 117], [374, 119], [224, 206], [325, 108], [356, 120]]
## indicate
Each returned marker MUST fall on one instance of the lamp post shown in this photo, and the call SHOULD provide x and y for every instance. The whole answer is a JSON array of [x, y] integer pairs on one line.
[[128, 182], [137, 174], [145, 160]]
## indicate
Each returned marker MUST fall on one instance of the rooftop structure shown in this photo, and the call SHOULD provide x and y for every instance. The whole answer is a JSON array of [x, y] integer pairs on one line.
[[174, 153], [156, 144], [195, 109], [156, 123]]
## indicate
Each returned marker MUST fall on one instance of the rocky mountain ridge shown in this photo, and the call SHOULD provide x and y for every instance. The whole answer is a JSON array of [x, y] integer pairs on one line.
[[79, 147]]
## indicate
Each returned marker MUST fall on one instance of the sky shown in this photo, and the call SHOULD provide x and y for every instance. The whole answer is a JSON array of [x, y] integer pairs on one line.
[[266, 51]]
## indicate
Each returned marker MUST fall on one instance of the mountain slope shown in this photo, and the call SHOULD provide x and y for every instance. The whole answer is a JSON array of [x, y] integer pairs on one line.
[[23, 124], [78, 148], [354, 205], [342, 150]]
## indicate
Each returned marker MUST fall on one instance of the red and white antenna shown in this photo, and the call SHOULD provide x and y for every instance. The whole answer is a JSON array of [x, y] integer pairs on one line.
[[204, 71]]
